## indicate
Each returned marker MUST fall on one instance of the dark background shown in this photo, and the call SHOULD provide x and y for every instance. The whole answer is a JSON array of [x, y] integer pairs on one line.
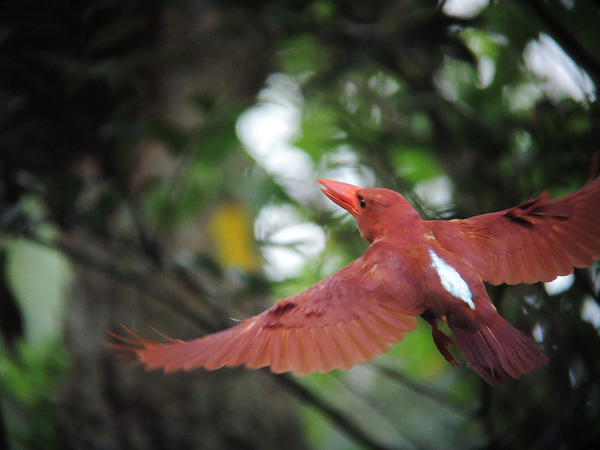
[[126, 196]]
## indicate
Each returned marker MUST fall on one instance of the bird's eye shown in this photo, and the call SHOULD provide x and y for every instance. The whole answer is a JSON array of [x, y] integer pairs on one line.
[[363, 203]]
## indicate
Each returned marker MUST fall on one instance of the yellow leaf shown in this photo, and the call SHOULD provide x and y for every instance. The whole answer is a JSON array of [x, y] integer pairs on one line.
[[230, 229]]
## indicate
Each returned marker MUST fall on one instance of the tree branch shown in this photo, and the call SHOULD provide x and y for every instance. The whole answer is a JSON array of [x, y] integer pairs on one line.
[[436, 396], [335, 416]]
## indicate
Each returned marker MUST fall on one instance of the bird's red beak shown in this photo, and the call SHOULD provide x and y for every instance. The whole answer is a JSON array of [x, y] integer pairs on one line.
[[342, 194]]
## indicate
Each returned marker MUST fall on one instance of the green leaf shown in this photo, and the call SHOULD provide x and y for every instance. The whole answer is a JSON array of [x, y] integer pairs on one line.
[[303, 53], [320, 131], [416, 164]]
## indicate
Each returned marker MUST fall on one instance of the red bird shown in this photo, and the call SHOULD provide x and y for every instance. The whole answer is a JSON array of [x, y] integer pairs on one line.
[[412, 267]]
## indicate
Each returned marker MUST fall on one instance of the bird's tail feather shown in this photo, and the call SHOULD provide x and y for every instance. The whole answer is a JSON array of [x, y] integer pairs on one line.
[[496, 350]]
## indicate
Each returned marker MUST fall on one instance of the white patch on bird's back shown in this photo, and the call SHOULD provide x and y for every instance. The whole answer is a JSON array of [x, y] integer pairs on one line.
[[451, 279]]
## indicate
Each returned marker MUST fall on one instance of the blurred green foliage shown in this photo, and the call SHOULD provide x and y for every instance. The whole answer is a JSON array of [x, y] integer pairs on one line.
[[396, 93], [29, 379]]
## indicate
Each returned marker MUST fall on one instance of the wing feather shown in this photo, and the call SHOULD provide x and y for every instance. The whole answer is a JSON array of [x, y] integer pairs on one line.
[[224, 354], [345, 359], [255, 352], [381, 329], [262, 358], [294, 350], [325, 354], [241, 351], [277, 358], [285, 364], [569, 251], [535, 264], [354, 348], [535, 241], [544, 247], [348, 318], [339, 358], [397, 321], [310, 357]]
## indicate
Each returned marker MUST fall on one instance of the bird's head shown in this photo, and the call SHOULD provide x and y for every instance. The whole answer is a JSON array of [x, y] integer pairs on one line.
[[377, 211]]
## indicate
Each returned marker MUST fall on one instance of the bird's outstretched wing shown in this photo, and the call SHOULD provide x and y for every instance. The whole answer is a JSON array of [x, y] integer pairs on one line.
[[347, 318], [535, 241]]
